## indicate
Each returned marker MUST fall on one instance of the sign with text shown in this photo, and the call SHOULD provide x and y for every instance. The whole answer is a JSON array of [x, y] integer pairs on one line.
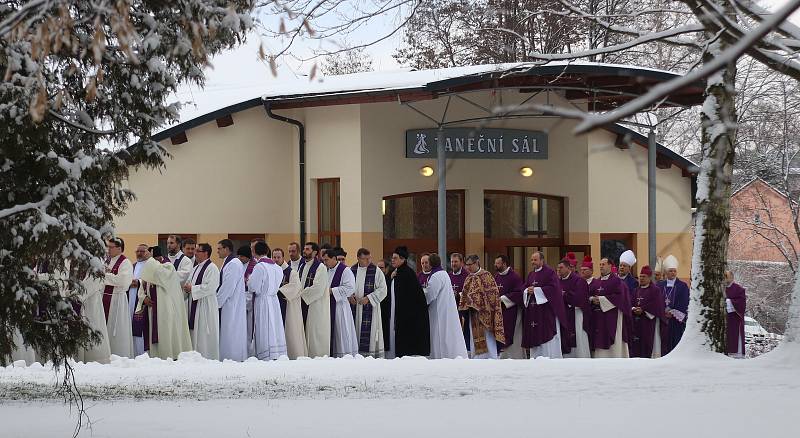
[[491, 143]]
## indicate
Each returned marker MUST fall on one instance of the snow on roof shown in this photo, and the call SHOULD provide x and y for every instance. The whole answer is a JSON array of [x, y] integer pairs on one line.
[[197, 103], [213, 98], [409, 79]]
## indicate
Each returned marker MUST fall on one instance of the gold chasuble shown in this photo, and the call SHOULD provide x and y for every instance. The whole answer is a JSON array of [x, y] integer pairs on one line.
[[481, 297]]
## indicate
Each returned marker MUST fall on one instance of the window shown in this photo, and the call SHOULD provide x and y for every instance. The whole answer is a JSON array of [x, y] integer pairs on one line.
[[517, 224], [416, 216], [613, 245], [509, 215], [328, 225], [412, 220]]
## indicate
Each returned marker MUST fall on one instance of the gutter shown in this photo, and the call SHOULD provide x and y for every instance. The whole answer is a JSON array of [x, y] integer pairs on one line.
[[302, 155]]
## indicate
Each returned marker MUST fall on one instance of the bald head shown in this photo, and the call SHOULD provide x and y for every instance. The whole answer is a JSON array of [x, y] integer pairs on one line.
[[729, 278]]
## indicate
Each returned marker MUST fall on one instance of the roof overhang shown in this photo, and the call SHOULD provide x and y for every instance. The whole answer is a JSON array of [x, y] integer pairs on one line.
[[601, 86]]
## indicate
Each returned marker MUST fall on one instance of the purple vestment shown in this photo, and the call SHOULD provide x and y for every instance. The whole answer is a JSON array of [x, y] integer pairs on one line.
[[108, 291], [651, 300], [576, 295], [423, 277], [512, 286], [735, 320], [539, 322], [604, 324], [676, 297]]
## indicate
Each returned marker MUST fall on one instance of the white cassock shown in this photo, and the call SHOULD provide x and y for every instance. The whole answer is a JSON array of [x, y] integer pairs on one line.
[[22, 352], [656, 337], [376, 326], [618, 349], [205, 336], [344, 330], [447, 339], [318, 321], [293, 326], [120, 337], [269, 336], [184, 269], [133, 294], [295, 265], [233, 314], [551, 348], [491, 342], [173, 332], [515, 351], [92, 310], [248, 293]]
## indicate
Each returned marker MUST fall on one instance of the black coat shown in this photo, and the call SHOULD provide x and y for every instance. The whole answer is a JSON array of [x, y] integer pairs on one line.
[[411, 326], [386, 311]]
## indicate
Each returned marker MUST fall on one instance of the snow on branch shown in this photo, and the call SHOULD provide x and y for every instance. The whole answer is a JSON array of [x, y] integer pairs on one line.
[[658, 92], [644, 38]]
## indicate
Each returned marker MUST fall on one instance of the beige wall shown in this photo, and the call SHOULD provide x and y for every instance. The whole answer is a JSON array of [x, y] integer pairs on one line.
[[618, 199], [244, 178], [223, 180]]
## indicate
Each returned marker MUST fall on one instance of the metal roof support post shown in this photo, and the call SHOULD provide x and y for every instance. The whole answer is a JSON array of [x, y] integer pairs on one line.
[[651, 197], [441, 169]]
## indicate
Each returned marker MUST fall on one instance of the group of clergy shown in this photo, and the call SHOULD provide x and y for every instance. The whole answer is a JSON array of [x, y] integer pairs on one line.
[[568, 312], [260, 303]]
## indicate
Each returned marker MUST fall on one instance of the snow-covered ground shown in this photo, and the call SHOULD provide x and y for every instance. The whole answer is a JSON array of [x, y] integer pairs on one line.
[[674, 396]]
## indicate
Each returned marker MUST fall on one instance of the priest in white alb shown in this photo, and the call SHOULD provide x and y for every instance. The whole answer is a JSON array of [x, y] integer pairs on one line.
[[202, 289], [342, 286], [133, 297], [232, 306], [183, 264], [315, 295], [168, 331], [293, 321], [447, 338], [268, 334], [91, 308], [119, 275], [371, 290]]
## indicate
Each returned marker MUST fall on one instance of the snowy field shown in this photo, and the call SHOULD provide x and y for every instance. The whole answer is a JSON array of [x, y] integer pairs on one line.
[[698, 396]]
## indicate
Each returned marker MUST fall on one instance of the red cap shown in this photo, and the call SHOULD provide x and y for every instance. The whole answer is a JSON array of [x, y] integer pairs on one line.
[[587, 262], [613, 269], [572, 259], [646, 271]]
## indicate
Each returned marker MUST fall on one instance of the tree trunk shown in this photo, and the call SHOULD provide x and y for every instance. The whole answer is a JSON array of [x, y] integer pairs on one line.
[[706, 321]]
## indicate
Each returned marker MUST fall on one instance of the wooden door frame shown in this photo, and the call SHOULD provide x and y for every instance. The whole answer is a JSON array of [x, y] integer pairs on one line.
[[453, 245], [335, 235]]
